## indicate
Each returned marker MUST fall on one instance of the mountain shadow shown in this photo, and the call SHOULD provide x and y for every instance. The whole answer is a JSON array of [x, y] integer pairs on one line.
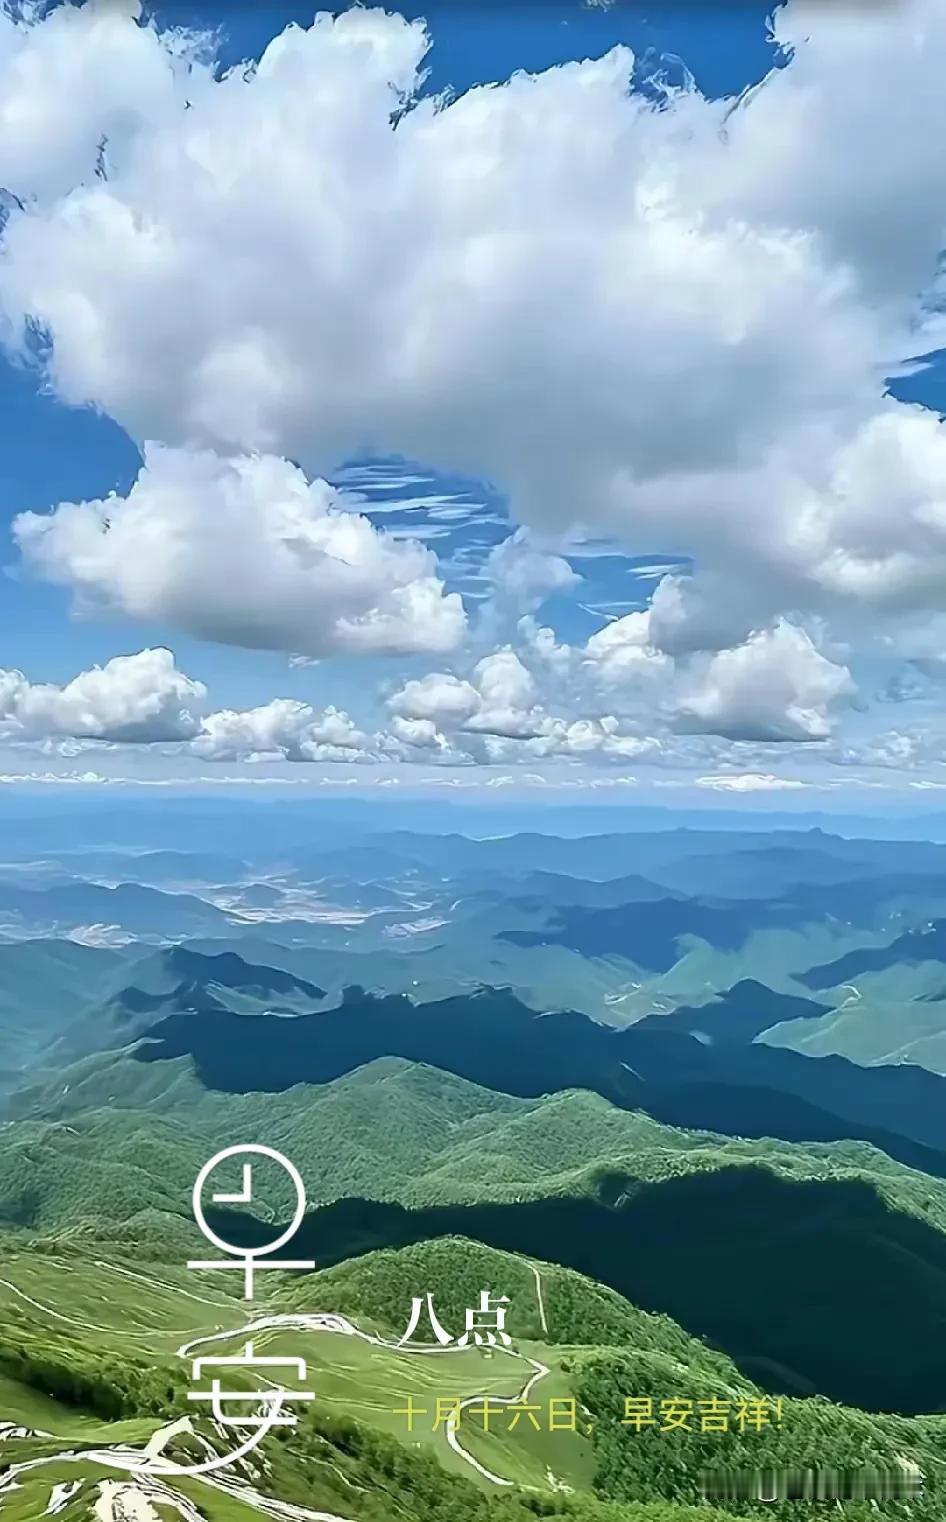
[[811, 1286], [915, 946], [648, 932], [496, 1041], [740, 1014]]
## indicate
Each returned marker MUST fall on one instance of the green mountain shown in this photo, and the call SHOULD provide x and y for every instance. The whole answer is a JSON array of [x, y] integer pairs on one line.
[[392, 1130], [567, 1178]]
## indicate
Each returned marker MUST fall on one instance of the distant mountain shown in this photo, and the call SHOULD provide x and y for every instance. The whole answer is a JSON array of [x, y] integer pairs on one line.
[[35, 972], [463, 1118], [137, 910], [553, 888], [44, 986], [894, 1016], [390, 1131], [565, 1179], [181, 969], [91, 1387], [155, 867], [177, 981]]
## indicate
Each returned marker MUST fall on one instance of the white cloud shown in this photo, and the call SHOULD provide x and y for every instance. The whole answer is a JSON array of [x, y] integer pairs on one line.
[[507, 697], [499, 699], [245, 550], [775, 686], [526, 574], [587, 738], [418, 734], [920, 747], [139, 698], [671, 322], [516, 707], [283, 729], [439, 696], [622, 656], [750, 782], [554, 660], [617, 697], [82, 77], [502, 713]]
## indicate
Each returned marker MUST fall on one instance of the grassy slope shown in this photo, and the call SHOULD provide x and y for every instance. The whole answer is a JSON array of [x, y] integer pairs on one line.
[[351, 1456], [64, 1308]]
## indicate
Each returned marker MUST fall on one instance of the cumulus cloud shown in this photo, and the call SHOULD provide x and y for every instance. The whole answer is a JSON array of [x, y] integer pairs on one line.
[[516, 705], [671, 322], [775, 686], [894, 750], [498, 699], [504, 711], [507, 698], [439, 697], [143, 699], [247, 551], [419, 734], [139, 698], [527, 574], [622, 657], [283, 729], [616, 697]]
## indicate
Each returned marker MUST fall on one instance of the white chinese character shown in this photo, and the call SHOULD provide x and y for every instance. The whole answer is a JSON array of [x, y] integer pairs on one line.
[[417, 1305], [487, 1323], [271, 1400]]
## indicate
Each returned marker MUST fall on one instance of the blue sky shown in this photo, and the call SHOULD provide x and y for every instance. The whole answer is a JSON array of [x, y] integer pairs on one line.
[[710, 709], [725, 46]]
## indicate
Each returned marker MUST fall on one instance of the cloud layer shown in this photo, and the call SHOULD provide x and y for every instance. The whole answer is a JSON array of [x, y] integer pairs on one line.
[[674, 322], [668, 322]]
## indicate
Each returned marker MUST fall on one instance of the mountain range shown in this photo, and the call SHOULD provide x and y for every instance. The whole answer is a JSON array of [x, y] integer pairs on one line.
[[649, 1086]]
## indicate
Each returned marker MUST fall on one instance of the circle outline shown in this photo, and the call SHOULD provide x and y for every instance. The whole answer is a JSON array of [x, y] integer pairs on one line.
[[260, 1151]]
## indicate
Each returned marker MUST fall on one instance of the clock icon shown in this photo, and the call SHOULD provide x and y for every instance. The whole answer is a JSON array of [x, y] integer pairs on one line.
[[245, 1197]]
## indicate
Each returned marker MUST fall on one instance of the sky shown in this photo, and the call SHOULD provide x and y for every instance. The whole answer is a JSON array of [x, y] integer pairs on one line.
[[537, 396]]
